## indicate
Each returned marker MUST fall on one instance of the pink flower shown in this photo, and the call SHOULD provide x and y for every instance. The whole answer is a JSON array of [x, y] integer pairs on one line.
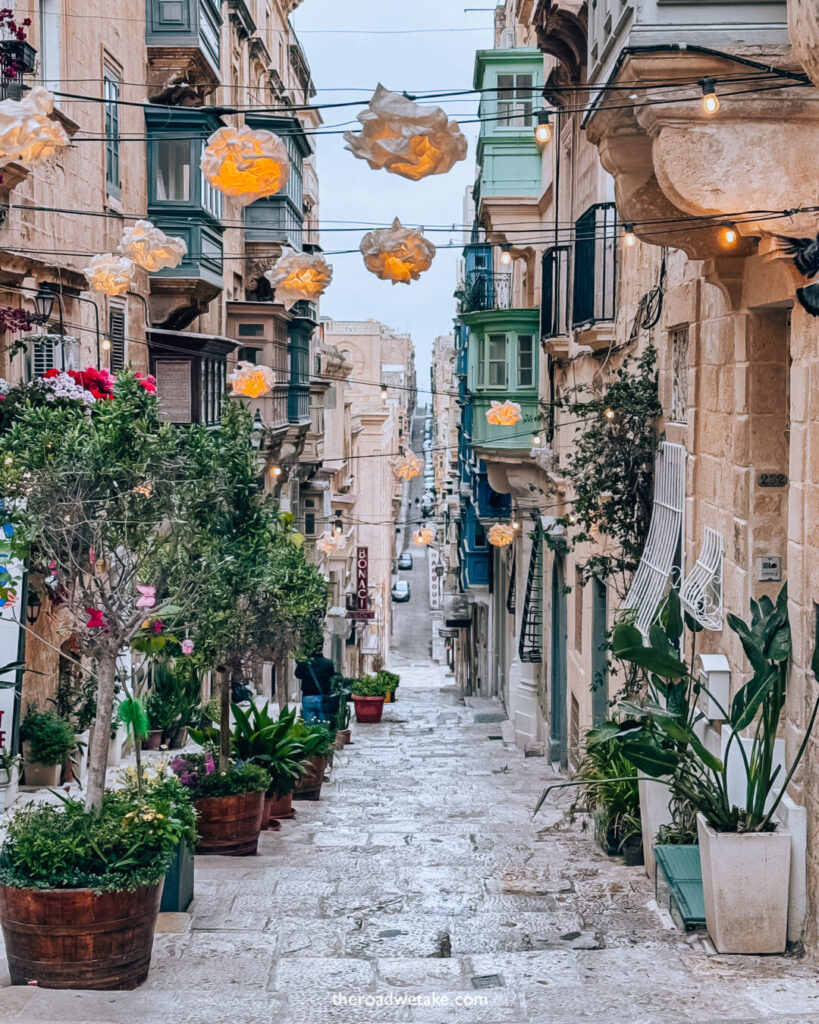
[[209, 765], [159, 625]]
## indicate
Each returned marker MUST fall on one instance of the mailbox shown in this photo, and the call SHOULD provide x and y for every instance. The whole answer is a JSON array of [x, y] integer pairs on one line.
[[715, 676]]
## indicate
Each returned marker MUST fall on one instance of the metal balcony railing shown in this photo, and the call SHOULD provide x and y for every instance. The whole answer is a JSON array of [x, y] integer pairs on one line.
[[554, 307], [484, 290], [595, 265]]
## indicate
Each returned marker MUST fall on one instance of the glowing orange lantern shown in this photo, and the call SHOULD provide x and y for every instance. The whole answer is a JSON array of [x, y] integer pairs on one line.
[[28, 135], [330, 544], [245, 163], [110, 274], [251, 381], [409, 466], [150, 247], [397, 254], [297, 276], [500, 535], [424, 536], [503, 414], [405, 137]]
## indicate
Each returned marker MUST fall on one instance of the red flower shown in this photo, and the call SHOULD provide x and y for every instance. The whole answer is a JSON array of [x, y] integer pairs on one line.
[[148, 381], [50, 373]]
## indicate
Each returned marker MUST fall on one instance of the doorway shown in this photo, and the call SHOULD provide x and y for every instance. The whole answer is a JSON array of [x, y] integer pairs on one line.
[[599, 660], [557, 746]]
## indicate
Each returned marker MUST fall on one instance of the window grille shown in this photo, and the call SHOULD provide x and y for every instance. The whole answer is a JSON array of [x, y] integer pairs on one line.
[[701, 590], [530, 645], [679, 375], [657, 561]]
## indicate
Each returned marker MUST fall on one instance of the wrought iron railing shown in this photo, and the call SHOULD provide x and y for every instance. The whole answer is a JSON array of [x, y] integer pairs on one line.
[[485, 290], [595, 265], [554, 306], [530, 644]]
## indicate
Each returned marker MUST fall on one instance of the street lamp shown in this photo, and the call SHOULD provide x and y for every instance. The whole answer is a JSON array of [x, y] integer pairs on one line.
[[44, 303], [33, 607]]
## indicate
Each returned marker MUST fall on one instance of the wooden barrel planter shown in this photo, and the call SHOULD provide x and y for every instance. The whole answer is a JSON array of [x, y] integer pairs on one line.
[[278, 808], [309, 785], [368, 709], [229, 825], [74, 938]]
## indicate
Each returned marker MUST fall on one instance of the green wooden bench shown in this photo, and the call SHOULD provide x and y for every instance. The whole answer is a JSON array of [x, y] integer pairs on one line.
[[678, 884]]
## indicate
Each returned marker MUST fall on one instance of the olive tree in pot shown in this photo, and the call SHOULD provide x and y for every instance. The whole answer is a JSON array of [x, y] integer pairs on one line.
[[47, 742], [745, 852]]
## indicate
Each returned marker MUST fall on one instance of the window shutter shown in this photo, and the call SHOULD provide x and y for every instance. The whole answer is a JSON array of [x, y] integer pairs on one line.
[[116, 334], [46, 355]]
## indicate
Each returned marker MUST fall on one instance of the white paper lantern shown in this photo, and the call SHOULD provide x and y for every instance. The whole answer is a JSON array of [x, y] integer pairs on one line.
[[503, 414], [397, 254], [405, 137], [330, 544], [298, 276], [251, 381], [500, 535], [246, 163], [28, 135], [409, 466], [110, 274], [150, 247]]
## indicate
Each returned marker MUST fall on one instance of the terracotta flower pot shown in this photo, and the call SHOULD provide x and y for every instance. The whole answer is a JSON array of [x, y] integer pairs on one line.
[[275, 809], [73, 938], [229, 825], [154, 741], [309, 785], [368, 709], [342, 738]]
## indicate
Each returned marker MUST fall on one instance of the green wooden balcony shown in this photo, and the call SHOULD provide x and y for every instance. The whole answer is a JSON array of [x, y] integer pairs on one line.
[[183, 42]]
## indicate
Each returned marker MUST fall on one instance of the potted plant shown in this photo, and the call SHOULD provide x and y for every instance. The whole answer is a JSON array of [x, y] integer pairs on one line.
[[229, 803], [368, 693], [9, 764], [317, 743], [390, 681], [47, 742], [80, 892], [343, 713], [744, 851], [173, 702]]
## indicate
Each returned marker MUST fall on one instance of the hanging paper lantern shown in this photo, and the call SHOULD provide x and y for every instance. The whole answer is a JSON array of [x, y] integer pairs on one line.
[[110, 274], [409, 466], [297, 276], [187, 646], [28, 135], [503, 414], [330, 543], [251, 381], [150, 247], [397, 253], [426, 535], [245, 163], [500, 535], [405, 137]]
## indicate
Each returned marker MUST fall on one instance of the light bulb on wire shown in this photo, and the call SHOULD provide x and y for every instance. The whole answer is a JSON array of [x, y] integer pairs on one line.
[[543, 129], [276, 471], [609, 414], [730, 235], [537, 440], [105, 345], [629, 238], [384, 393], [506, 254], [710, 100], [515, 524]]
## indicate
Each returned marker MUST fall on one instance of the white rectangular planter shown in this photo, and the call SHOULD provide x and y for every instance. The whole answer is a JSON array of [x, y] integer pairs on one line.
[[745, 879], [655, 797]]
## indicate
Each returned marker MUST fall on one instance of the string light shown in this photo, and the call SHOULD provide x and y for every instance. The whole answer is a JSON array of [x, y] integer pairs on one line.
[[516, 525], [384, 393], [537, 440], [543, 131], [710, 100], [276, 471], [106, 345], [629, 238], [609, 414], [506, 254], [730, 235]]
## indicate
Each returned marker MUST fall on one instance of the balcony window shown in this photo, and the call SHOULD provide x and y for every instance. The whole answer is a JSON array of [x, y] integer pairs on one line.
[[515, 101], [595, 265], [526, 361], [554, 310], [111, 87], [496, 361], [173, 171], [248, 355]]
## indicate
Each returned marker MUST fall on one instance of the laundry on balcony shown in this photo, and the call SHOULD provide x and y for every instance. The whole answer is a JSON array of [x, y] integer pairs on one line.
[[701, 590], [653, 574]]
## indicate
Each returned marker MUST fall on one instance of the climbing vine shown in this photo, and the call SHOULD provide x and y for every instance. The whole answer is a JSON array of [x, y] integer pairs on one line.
[[611, 467]]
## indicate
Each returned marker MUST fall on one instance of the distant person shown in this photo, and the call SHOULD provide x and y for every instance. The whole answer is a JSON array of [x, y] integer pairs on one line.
[[318, 702]]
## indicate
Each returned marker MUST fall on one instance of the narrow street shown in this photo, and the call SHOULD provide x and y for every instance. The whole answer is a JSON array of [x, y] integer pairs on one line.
[[420, 873]]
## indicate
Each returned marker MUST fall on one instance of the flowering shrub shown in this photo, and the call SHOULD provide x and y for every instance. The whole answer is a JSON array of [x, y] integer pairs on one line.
[[15, 320], [198, 774], [10, 64]]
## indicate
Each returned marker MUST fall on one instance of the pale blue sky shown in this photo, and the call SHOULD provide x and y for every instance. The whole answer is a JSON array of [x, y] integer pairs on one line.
[[350, 191]]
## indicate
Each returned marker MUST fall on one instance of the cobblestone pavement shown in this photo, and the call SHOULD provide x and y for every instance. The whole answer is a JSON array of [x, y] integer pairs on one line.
[[420, 873]]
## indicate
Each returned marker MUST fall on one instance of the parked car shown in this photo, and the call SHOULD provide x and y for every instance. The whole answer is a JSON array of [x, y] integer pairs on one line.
[[405, 560], [401, 591]]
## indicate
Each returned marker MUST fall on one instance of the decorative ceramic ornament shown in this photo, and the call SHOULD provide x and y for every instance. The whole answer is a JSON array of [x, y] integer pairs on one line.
[[298, 276], [151, 248], [187, 646], [500, 535], [251, 381], [397, 254], [424, 536], [409, 466], [110, 274], [503, 414], [147, 598], [28, 134], [405, 137], [246, 163]]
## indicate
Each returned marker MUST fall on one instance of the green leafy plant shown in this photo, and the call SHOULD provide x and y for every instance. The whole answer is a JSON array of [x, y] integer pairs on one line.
[[173, 701], [660, 739], [9, 761], [341, 686], [369, 686], [389, 679], [198, 774], [316, 739], [130, 844], [607, 789], [52, 739]]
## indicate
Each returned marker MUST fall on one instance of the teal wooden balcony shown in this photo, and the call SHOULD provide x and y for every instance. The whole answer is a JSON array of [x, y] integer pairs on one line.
[[502, 365], [183, 42]]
